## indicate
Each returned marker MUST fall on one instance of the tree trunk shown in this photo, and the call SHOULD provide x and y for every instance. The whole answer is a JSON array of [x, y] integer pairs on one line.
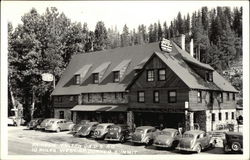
[[13, 100], [32, 105]]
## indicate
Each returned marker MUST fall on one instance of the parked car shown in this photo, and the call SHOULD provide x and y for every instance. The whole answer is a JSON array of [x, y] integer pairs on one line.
[[44, 123], [233, 142], [101, 130], [34, 123], [78, 126], [195, 141], [59, 125], [87, 130], [167, 138], [118, 132], [11, 121], [144, 134]]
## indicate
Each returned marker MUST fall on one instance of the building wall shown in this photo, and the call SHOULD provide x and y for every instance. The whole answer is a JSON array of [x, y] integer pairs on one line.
[[67, 113], [65, 101], [109, 98]]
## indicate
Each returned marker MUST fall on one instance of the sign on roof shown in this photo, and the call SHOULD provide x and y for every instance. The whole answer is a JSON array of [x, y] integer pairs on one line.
[[47, 77], [165, 45]]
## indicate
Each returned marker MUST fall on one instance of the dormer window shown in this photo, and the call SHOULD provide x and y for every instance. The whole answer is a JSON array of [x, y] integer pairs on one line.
[[116, 76], [209, 76], [95, 78], [77, 79]]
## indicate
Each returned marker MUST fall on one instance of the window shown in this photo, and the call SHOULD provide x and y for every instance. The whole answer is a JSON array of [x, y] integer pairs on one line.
[[116, 95], [226, 115], [150, 75], [116, 76], [211, 98], [140, 96], [122, 95], [219, 116], [209, 76], [161, 74], [102, 96], [89, 97], [199, 96], [95, 78], [71, 98], [61, 114], [59, 99], [232, 115], [228, 96], [172, 96], [221, 96], [156, 97], [213, 117], [234, 96], [77, 79]]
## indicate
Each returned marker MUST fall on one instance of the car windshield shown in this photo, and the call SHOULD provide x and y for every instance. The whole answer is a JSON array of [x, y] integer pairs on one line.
[[99, 127], [167, 133], [139, 130], [186, 135]]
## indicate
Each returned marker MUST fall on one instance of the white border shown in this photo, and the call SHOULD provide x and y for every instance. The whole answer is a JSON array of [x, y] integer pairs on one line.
[[4, 72]]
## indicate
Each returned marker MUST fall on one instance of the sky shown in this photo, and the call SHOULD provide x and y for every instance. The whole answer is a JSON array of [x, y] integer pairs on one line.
[[112, 13]]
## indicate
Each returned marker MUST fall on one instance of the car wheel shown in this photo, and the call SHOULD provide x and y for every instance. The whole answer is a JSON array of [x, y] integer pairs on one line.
[[58, 130], [212, 145], [198, 149], [235, 146], [122, 139]]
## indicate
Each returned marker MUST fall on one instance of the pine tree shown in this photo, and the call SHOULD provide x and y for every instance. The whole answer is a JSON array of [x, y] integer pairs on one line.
[[125, 39], [160, 33], [101, 37]]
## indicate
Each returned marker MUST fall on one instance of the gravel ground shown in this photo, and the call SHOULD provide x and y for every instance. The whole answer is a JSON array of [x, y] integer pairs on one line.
[[30, 142]]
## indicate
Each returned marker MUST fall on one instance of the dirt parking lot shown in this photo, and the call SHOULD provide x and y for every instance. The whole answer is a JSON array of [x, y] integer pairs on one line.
[[22, 141]]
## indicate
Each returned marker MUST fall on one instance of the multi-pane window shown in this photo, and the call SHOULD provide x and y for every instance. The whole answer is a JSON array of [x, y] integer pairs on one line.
[[219, 116], [71, 98], [150, 75], [228, 96], [211, 97], [156, 97], [232, 115], [95, 78], [221, 96], [209, 76], [172, 96], [199, 96], [226, 115], [102, 97], [213, 117], [59, 99], [161, 74], [89, 97], [141, 96], [77, 79], [116, 95], [122, 95], [233, 96], [116, 76], [61, 114]]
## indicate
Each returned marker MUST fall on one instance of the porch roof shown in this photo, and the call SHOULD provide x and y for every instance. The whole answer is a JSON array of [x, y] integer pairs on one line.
[[100, 108]]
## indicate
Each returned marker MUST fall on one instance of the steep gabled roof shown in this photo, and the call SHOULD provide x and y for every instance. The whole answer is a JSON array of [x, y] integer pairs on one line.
[[177, 60]]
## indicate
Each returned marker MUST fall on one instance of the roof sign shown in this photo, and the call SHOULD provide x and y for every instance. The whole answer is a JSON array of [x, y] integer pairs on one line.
[[47, 77], [165, 45]]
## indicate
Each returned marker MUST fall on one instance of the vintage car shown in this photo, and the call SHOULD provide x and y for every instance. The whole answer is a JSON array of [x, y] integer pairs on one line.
[[101, 130], [167, 138], [59, 125], [233, 142], [87, 130], [44, 123], [34, 123], [118, 132], [195, 141], [78, 126], [144, 134]]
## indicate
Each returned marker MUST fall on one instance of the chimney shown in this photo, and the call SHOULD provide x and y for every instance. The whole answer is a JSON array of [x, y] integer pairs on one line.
[[192, 47], [183, 41]]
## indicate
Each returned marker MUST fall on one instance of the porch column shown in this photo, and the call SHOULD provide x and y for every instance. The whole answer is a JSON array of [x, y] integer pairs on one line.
[[191, 120], [74, 116], [130, 119]]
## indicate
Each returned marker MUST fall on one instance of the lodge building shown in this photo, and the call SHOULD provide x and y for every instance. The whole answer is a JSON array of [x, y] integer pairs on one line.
[[145, 85]]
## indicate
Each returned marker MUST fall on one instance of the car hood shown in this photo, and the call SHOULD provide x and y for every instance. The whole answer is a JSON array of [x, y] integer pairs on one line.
[[163, 138]]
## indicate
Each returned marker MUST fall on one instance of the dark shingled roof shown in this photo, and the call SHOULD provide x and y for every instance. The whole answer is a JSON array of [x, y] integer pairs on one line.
[[177, 60]]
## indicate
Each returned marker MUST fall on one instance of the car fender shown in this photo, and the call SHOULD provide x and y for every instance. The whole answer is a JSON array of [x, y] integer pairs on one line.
[[197, 144]]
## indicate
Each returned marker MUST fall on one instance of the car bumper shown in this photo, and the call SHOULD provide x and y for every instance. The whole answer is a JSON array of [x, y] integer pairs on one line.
[[50, 129], [162, 145], [185, 149], [112, 139]]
